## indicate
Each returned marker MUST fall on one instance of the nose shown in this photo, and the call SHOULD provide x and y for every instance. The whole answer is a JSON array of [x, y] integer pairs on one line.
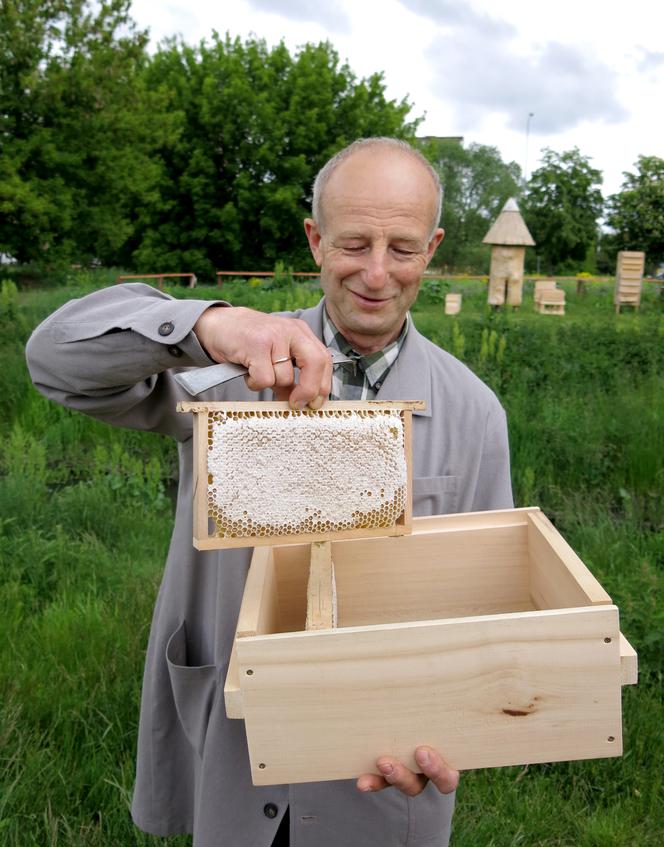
[[375, 275]]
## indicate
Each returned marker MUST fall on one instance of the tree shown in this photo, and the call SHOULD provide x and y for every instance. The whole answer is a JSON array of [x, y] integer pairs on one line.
[[77, 127], [636, 213], [255, 125], [476, 184], [562, 207]]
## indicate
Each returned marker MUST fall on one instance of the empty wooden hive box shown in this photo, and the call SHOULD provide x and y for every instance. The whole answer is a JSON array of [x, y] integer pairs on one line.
[[483, 635], [452, 304]]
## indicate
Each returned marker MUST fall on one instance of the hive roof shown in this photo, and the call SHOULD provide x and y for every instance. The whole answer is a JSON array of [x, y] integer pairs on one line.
[[509, 228]]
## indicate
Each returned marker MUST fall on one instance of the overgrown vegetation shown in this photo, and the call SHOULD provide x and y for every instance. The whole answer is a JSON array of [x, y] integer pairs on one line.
[[86, 516]]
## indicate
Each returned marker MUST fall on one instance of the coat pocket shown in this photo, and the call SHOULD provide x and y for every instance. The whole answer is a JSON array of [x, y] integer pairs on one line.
[[435, 495], [194, 688]]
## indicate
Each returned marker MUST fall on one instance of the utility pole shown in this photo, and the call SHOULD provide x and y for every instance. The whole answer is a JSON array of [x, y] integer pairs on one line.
[[525, 166]]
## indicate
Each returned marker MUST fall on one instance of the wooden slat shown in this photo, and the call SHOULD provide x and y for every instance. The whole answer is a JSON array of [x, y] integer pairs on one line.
[[259, 612], [259, 615], [487, 691], [406, 519], [629, 663], [321, 590], [200, 478], [558, 577], [232, 690], [283, 406]]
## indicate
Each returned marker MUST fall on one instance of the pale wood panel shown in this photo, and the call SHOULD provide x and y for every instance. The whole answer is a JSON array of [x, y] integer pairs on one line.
[[486, 691], [559, 579], [629, 663], [259, 615], [423, 577], [259, 612], [232, 690], [321, 589], [436, 568]]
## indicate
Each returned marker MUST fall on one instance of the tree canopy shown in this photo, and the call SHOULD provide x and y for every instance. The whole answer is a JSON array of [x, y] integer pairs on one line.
[[255, 126], [78, 127], [191, 159], [562, 207], [636, 213], [476, 183]]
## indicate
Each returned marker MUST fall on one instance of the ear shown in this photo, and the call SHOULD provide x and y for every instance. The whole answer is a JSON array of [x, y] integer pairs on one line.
[[432, 246], [314, 238]]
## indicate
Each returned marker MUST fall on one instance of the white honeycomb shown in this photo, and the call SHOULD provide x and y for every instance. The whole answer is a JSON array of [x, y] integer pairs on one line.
[[277, 473]]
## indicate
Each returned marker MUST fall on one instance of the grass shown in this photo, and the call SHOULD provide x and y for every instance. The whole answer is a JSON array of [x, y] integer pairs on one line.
[[86, 516]]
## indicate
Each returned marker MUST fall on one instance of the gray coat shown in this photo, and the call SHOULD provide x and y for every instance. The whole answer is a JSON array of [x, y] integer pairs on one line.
[[112, 355]]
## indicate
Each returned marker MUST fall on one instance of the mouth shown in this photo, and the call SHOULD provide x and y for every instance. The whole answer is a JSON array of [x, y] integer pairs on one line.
[[369, 302]]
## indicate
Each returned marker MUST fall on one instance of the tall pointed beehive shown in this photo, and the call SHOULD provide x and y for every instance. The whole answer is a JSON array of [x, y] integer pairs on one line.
[[509, 236]]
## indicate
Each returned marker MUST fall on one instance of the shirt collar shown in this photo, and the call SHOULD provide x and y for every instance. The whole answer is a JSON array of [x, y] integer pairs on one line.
[[375, 365]]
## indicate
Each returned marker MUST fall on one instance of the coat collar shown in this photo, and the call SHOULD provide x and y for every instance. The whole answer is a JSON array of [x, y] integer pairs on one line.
[[409, 377]]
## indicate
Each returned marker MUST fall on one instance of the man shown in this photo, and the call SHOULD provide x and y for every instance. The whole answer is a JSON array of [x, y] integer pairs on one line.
[[374, 230]]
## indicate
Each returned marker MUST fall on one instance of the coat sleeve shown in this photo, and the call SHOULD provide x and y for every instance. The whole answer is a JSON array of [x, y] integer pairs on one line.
[[494, 484], [113, 353]]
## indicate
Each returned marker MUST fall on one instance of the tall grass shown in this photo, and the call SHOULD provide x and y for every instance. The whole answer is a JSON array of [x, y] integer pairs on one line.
[[85, 520]]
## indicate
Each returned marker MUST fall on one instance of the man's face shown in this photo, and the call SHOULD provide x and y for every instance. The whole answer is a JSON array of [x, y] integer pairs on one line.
[[375, 243]]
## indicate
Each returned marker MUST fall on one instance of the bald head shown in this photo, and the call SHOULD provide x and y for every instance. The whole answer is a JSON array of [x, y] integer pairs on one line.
[[395, 153]]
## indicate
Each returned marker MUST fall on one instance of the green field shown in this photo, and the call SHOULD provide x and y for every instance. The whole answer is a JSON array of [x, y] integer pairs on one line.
[[85, 518]]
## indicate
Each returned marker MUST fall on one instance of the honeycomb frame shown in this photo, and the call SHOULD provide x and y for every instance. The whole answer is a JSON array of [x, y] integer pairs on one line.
[[214, 529]]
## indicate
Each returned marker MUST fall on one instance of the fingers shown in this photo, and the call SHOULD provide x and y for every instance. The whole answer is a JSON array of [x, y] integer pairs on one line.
[[393, 773], [268, 345], [435, 768]]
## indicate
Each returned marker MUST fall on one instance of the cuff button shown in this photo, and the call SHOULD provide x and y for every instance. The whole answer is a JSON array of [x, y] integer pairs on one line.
[[166, 328], [270, 810], [175, 351]]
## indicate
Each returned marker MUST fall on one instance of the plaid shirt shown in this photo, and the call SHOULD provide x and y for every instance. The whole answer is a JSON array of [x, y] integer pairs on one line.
[[362, 378]]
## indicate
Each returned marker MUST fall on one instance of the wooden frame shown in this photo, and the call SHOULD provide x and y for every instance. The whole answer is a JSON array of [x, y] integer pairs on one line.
[[483, 635], [204, 537]]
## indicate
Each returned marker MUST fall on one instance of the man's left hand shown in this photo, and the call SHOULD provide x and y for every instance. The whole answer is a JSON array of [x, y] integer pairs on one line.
[[434, 768]]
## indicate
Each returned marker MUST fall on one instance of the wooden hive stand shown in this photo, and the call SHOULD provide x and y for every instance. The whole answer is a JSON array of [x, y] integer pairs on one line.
[[629, 278]]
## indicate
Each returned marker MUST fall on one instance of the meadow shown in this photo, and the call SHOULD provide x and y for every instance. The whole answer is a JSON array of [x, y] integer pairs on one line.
[[86, 513]]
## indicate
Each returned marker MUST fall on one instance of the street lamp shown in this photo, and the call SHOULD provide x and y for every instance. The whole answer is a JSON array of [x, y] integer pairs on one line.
[[525, 167]]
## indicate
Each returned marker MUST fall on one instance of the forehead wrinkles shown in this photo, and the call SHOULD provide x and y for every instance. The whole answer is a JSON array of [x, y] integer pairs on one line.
[[349, 215]]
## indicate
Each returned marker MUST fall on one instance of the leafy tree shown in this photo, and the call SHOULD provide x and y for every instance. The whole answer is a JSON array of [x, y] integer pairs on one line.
[[77, 126], [476, 184], [561, 208], [636, 213], [255, 125]]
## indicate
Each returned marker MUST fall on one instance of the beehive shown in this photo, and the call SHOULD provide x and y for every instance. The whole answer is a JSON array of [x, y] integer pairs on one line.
[[483, 635], [629, 278], [509, 236]]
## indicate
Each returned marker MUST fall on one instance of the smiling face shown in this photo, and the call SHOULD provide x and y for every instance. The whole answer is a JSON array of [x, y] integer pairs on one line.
[[374, 243]]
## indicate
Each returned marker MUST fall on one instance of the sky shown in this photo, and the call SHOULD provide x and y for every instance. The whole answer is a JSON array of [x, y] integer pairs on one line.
[[520, 76]]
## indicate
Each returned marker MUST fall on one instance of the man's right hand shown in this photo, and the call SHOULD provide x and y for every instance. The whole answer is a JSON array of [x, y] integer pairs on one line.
[[268, 345]]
